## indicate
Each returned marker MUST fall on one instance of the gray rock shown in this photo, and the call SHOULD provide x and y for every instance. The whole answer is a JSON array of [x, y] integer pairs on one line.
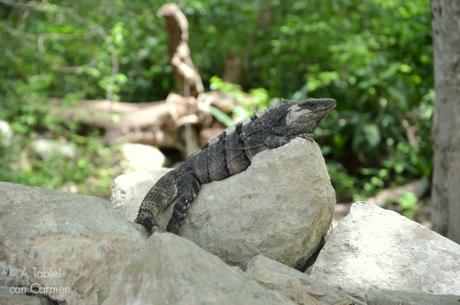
[[297, 286], [373, 248], [171, 270], [10, 295], [388, 297], [47, 149], [6, 133], [72, 246], [303, 290], [128, 190], [280, 207], [138, 157]]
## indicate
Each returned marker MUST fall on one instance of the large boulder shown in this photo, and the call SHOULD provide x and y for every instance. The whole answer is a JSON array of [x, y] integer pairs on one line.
[[171, 270], [67, 247], [303, 289], [373, 248], [280, 206]]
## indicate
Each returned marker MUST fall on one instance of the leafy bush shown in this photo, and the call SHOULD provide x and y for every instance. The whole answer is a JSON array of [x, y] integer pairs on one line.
[[90, 171]]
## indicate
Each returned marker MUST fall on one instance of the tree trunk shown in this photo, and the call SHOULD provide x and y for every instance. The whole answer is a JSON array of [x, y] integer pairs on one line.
[[446, 123]]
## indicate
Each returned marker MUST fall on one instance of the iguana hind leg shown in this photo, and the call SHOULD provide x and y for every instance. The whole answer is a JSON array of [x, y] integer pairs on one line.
[[160, 196], [188, 188]]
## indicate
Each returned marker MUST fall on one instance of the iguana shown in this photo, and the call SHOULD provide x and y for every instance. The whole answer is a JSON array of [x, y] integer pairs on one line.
[[228, 154]]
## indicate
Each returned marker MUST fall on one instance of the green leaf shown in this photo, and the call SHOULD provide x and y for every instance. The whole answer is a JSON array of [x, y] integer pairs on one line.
[[372, 134], [221, 116], [407, 201]]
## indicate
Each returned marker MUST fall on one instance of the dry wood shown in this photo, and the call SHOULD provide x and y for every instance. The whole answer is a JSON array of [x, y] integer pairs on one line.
[[386, 196], [147, 123], [185, 72]]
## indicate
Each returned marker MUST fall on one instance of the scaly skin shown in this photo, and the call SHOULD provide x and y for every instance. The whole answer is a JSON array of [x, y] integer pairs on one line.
[[228, 154]]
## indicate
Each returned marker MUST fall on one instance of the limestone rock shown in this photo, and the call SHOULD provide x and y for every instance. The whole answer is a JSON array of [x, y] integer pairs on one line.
[[79, 240], [171, 270], [303, 290], [6, 133], [373, 248], [298, 286], [141, 157], [128, 190], [388, 297], [280, 207], [49, 148]]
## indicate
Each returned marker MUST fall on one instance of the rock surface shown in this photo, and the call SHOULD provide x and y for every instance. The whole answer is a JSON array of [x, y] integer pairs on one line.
[[387, 297], [141, 157], [79, 240], [373, 248], [302, 289], [297, 286], [280, 207], [49, 148], [171, 270], [6, 133], [128, 190], [10, 297]]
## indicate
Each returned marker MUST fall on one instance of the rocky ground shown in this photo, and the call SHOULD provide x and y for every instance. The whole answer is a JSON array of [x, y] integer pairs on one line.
[[249, 239]]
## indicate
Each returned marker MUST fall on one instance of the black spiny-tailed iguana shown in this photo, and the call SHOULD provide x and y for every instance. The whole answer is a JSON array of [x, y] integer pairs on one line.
[[229, 154]]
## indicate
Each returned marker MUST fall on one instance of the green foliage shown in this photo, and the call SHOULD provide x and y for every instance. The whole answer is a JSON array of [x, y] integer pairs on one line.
[[90, 49], [248, 103], [90, 171], [408, 204], [374, 57], [221, 116]]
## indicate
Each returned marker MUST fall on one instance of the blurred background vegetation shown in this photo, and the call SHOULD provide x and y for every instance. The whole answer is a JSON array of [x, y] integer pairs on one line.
[[374, 57]]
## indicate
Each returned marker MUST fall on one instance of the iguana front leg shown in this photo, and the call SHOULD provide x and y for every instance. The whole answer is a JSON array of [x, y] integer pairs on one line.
[[275, 141], [278, 141], [188, 188]]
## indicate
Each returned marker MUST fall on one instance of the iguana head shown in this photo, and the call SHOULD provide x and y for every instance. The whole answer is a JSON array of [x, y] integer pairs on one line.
[[302, 118], [293, 119]]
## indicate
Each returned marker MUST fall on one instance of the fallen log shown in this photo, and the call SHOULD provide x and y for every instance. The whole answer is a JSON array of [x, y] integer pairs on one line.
[[147, 123], [165, 124]]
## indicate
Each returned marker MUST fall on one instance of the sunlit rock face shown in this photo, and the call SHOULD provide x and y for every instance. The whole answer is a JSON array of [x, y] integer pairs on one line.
[[373, 248], [280, 206]]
